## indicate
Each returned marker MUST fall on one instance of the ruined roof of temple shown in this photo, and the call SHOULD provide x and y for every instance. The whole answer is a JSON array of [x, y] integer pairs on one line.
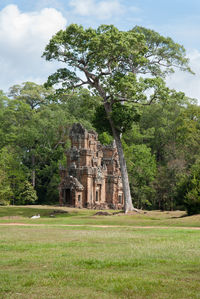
[[72, 182], [78, 129], [77, 184]]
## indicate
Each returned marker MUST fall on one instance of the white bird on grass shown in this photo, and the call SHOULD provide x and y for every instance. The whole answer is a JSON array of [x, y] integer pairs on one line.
[[36, 216]]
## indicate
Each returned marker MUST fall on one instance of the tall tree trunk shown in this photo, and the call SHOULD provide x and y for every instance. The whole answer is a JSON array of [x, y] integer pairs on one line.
[[128, 206], [33, 171]]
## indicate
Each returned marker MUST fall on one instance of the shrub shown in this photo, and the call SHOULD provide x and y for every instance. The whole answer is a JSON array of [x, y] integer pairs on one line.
[[27, 194], [189, 191]]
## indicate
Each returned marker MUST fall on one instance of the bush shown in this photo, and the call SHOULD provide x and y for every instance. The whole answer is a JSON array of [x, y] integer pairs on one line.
[[192, 197], [189, 191], [27, 194]]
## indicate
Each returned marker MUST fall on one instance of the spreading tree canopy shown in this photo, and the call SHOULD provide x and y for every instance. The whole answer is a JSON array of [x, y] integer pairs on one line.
[[109, 62]]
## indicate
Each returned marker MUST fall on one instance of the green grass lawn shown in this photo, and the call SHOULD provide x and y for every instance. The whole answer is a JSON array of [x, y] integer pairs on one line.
[[56, 261], [22, 214]]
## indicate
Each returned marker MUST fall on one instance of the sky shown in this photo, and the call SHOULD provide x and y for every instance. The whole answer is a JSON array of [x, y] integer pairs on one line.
[[26, 26]]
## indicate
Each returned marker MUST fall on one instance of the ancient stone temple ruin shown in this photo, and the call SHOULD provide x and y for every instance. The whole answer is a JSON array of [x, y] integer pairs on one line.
[[92, 178]]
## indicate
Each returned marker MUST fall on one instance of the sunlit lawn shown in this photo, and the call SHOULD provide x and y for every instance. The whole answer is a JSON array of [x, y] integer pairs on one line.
[[86, 217], [56, 261]]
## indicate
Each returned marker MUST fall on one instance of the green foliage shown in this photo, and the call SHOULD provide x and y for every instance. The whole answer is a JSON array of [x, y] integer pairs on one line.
[[13, 174], [5, 189], [170, 128], [188, 192], [105, 138], [52, 193], [142, 171], [32, 94], [111, 60], [27, 194], [81, 106], [162, 51], [192, 198], [39, 136], [106, 48], [100, 121], [35, 126], [123, 116], [94, 46]]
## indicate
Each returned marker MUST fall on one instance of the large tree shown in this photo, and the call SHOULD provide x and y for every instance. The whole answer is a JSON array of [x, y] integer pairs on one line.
[[108, 61]]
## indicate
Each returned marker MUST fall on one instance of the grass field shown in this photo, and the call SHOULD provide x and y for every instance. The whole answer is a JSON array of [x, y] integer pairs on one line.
[[125, 258]]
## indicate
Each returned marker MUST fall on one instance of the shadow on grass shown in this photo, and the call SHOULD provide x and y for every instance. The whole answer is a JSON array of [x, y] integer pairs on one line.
[[181, 216], [28, 212]]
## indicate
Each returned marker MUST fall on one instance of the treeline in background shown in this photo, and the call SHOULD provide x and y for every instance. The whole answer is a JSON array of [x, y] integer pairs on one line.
[[162, 146]]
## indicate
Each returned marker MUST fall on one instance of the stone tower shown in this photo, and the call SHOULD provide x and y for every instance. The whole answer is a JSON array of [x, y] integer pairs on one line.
[[92, 178]]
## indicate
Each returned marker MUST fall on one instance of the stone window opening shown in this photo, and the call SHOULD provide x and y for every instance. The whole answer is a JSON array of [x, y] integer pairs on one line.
[[120, 198], [79, 198], [97, 196]]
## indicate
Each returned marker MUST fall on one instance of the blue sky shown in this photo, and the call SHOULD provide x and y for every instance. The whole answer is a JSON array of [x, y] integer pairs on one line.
[[27, 25]]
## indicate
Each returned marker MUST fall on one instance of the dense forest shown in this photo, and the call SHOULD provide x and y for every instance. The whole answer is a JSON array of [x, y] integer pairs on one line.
[[162, 146]]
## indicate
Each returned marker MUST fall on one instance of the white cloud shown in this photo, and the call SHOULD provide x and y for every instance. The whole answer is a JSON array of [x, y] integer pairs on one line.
[[188, 83], [23, 37], [99, 9]]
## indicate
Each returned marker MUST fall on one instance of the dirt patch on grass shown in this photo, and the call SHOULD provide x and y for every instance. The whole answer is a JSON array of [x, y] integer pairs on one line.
[[20, 224], [100, 226], [103, 213]]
